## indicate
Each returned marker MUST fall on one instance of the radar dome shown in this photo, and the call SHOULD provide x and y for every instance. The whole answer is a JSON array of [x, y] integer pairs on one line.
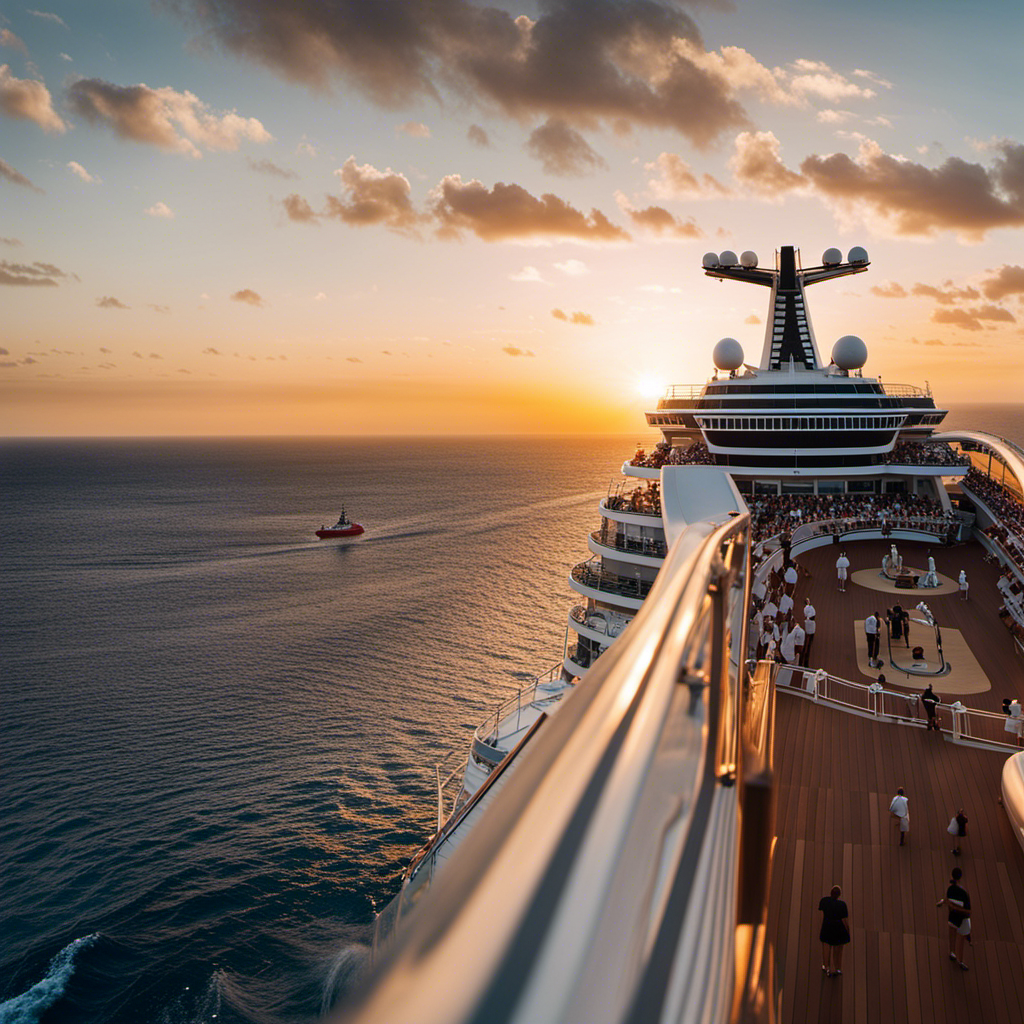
[[728, 258], [748, 259], [710, 260], [728, 354], [831, 257], [858, 254], [849, 352]]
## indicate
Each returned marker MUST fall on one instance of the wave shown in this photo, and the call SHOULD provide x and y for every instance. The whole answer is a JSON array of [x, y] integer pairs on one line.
[[29, 1007]]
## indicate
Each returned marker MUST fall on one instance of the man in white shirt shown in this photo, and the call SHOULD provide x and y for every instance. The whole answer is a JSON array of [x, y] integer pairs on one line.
[[771, 609], [809, 611], [790, 576], [793, 645], [810, 628], [842, 564], [871, 632], [785, 605], [900, 810]]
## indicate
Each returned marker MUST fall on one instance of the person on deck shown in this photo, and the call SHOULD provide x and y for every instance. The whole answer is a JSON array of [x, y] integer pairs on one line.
[[810, 628], [899, 808], [842, 567], [959, 820], [930, 702], [871, 625], [835, 931], [959, 903]]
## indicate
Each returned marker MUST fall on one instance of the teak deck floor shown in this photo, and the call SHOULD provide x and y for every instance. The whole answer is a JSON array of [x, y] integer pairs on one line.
[[836, 773]]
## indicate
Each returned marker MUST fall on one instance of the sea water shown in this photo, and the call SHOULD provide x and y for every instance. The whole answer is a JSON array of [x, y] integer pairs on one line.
[[218, 733]]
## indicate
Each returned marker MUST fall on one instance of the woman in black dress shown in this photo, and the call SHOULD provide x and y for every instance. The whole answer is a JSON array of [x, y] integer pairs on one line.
[[835, 932]]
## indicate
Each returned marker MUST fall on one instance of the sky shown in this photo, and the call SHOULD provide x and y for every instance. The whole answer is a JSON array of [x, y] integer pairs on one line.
[[439, 216]]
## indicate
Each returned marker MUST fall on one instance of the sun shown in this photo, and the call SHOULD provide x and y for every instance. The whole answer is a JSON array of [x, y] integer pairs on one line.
[[650, 386]]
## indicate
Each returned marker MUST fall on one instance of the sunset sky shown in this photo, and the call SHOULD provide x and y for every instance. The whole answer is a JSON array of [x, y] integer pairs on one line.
[[423, 216]]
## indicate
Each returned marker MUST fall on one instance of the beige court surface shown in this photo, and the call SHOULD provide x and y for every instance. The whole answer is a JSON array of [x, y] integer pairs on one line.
[[965, 675], [873, 579]]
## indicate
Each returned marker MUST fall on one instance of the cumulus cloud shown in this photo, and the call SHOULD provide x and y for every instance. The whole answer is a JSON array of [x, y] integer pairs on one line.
[[477, 135], [510, 212], [373, 197], [889, 290], [31, 275], [913, 199], [947, 295], [528, 274], [248, 296], [675, 180], [28, 100], [80, 172], [109, 302], [621, 63], [757, 165], [582, 319], [1008, 280], [160, 209], [8, 173], [829, 116], [658, 221], [269, 167], [971, 319], [414, 129], [178, 122], [513, 350], [814, 78], [562, 150], [298, 209], [9, 39]]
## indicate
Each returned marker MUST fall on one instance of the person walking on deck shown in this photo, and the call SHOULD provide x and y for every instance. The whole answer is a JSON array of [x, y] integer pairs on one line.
[[958, 830], [930, 702], [900, 810], [842, 565], [871, 632], [810, 628], [959, 903], [835, 931]]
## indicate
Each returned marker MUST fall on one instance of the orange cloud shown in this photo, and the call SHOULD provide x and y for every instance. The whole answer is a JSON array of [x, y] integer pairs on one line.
[[562, 150], [248, 296], [28, 100], [373, 197], [15, 177]]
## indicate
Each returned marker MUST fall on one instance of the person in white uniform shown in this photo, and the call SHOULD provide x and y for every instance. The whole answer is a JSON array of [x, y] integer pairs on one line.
[[900, 810], [964, 585], [842, 565]]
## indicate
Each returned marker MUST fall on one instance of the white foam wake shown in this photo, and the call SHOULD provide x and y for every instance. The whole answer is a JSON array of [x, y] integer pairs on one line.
[[28, 1007]]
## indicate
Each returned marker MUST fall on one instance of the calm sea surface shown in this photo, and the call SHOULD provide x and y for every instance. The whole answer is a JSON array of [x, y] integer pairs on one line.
[[218, 733]]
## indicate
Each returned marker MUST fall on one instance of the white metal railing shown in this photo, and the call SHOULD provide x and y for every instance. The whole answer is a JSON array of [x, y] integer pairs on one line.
[[486, 731], [691, 391], [963, 724], [906, 391]]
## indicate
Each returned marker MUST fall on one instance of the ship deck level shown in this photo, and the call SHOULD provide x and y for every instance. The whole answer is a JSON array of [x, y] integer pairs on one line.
[[836, 773]]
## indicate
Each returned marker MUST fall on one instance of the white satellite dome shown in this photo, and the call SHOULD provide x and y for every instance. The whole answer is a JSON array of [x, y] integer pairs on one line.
[[858, 254], [831, 257], [849, 352], [728, 354], [748, 259], [728, 258], [710, 260]]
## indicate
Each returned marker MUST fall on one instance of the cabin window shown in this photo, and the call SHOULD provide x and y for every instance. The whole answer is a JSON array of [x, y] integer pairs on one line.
[[831, 487]]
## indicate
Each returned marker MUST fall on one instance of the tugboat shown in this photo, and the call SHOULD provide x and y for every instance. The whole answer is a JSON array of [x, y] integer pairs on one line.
[[344, 527]]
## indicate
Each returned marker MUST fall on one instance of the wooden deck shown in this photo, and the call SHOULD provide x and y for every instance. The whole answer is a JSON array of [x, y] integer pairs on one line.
[[836, 774]]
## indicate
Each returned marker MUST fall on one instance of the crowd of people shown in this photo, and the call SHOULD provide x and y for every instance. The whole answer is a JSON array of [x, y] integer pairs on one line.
[[644, 500], [775, 514], [696, 454], [917, 453], [1010, 531]]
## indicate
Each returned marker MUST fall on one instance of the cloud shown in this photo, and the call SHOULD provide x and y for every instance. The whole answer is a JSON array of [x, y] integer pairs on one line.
[[477, 135], [46, 15], [269, 167], [675, 180], [10, 241], [634, 63], [562, 150], [9, 39], [158, 308], [583, 319], [971, 319], [79, 171], [8, 173], [814, 78], [178, 122], [1008, 280], [913, 199], [298, 209], [757, 165], [829, 116], [210, 351], [573, 268], [160, 209], [510, 212], [31, 275], [155, 355], [373, 197], [352, 359], [109, 302], [528, 274], [945, 296], [414, 129], [105, 351], [28, 100], [248, 296], [873, 78], [512, 350], [658, 220], [889, 290]]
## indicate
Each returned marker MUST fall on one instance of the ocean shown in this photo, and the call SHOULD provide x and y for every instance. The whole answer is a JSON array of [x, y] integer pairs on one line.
[[218, 733]]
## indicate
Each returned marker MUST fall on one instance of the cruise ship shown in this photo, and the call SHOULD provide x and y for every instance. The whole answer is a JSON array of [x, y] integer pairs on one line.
[[644, 832]]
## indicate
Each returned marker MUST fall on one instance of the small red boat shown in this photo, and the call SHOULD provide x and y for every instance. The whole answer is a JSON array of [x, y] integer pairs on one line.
[[344, 527]]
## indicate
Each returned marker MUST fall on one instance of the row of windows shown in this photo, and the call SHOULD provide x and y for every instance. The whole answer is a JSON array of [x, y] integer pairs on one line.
[[799, 423]]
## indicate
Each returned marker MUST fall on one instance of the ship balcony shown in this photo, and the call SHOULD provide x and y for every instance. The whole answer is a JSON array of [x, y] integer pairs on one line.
[[598, 624], [581, 655], [625, 509], [592, 581], [645, 550]]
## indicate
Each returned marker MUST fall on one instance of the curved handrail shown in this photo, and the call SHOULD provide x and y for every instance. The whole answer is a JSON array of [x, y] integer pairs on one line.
[[583, 880]]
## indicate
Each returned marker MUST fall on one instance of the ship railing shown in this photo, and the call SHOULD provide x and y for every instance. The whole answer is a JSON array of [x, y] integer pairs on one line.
[[652, 547], [688, 391], [599, 620], [621, 871], [589, 574], [621, 503], [961, 723], [907, 391], [487, 731]]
